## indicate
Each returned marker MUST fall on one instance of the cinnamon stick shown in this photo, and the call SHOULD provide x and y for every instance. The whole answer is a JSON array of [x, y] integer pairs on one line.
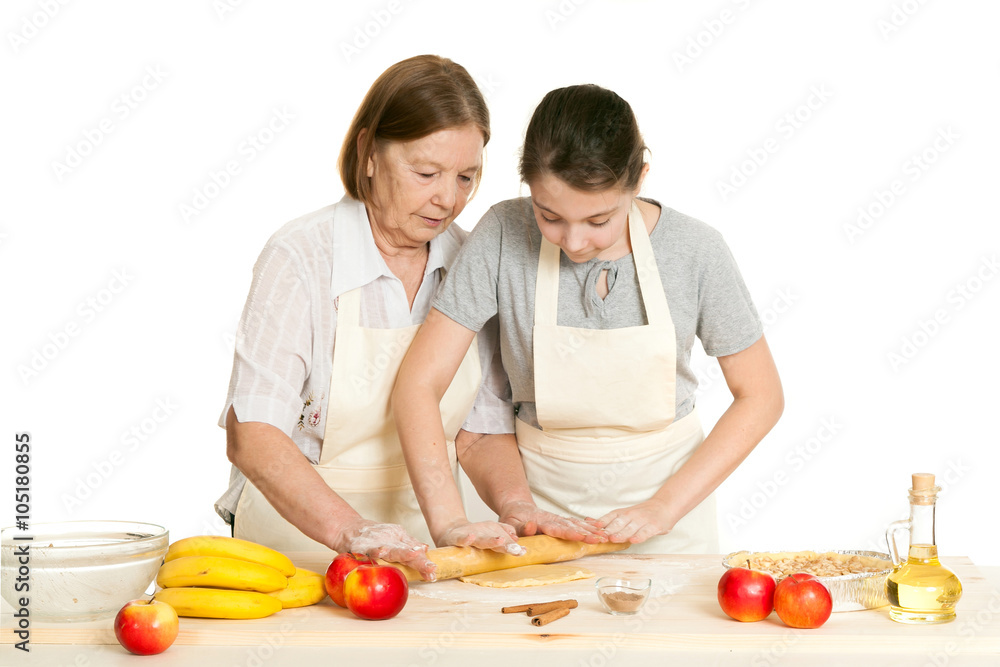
[[548, 617], [539, 609], [517, 609]]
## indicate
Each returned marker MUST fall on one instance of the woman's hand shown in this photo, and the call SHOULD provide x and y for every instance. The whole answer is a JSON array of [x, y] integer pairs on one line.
[[386, 541], [635, 524], [528, 519], [490, 535]]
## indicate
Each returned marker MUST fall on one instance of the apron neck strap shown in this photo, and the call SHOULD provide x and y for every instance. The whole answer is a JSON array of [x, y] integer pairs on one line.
[[646, 269], [547, 284], [349, 308]]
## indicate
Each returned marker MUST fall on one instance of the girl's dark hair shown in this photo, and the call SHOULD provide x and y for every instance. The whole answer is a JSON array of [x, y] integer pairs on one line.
[[410, 100], [586, 136]]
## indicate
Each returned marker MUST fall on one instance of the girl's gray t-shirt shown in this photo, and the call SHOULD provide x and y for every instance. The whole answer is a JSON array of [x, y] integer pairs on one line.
[[495, 271]]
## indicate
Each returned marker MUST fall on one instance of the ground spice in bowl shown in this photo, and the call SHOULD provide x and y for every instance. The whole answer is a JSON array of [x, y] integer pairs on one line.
[[622, 601], [621, 597]]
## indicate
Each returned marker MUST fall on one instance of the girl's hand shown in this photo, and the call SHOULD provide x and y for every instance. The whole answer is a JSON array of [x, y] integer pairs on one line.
[[491, 535], [635, 524], [528, 519]]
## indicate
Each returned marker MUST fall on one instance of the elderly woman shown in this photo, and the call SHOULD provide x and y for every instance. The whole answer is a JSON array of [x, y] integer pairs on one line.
[[336, 298]]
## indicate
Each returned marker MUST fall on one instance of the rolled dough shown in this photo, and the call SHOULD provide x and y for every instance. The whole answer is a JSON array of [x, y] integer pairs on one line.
[[453, 562], [528, 575]]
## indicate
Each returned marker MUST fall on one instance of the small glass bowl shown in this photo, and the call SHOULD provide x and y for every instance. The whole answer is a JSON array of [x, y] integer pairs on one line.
[[622, 597]]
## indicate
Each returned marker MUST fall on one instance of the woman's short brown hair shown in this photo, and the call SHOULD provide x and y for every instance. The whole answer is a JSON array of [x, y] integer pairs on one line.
[[410, 100], [587, 136]]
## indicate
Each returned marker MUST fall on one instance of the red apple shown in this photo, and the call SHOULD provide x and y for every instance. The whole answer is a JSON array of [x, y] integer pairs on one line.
[[342, 566], [375, 592], [146, 627], [746, 595], [802, 601]]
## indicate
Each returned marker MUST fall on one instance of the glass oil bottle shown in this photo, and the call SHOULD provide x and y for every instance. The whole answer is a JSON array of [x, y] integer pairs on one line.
[[920, 589]]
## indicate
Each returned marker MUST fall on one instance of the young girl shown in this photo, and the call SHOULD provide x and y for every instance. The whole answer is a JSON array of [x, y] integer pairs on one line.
[[600, 295]]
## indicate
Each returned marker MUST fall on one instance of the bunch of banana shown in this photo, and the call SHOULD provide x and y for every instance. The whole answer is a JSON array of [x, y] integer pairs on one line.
[[230, 547], [218, 602], [305, 587], [220, 572], [221, 577]]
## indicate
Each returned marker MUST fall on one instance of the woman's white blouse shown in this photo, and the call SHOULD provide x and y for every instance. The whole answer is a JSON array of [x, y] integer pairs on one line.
[[285, 339]]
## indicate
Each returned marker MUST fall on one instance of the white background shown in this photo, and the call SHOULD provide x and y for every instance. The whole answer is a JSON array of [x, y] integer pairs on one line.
[[885, 79]]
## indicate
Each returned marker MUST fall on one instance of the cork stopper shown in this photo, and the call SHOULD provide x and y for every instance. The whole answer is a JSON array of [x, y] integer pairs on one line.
[[924, 492]]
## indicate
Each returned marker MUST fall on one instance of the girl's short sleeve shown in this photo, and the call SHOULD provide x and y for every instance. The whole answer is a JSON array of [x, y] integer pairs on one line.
[[727, 319]]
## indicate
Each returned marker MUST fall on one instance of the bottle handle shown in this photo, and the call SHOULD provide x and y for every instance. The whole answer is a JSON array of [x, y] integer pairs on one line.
[[890, 538]]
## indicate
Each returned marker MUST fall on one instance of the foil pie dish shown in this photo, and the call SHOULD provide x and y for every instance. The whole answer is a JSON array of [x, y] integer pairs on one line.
[[850, 592]]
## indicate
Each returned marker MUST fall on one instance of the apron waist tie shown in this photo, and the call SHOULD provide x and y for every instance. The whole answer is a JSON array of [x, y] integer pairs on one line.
[[356, 479], [605, 448]]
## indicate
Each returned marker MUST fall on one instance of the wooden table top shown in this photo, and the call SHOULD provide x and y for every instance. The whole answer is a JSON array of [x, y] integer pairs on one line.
[[450, 622]]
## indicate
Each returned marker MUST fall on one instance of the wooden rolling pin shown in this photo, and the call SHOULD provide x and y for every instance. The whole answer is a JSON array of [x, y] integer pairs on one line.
[[455, 562]]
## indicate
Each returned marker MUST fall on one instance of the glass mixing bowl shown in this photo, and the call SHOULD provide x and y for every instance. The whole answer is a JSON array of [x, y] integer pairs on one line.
[[79, 570]]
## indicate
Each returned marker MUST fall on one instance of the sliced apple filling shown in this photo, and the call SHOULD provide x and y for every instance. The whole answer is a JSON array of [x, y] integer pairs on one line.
[[829, 564]]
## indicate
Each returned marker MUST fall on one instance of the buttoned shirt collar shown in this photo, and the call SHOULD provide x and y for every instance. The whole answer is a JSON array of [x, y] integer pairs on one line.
[[357, 260]]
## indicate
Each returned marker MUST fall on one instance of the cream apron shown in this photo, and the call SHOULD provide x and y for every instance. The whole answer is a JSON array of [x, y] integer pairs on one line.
[[605, 401], [361, 458]]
